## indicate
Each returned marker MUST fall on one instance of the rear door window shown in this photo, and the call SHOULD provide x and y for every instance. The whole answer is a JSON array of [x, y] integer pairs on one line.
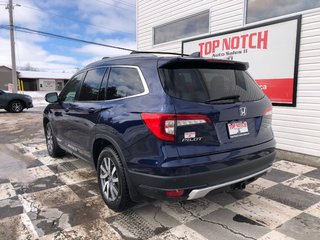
[[203, 84], [91, 85]]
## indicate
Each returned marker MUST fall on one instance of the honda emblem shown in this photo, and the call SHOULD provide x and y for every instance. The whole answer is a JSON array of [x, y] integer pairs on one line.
[[243, 111]]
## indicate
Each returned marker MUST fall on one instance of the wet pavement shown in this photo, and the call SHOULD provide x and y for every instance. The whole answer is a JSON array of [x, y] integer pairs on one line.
[[45, 198]]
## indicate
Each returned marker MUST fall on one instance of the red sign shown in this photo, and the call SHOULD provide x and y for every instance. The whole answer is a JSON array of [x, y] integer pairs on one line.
[[278, 90]]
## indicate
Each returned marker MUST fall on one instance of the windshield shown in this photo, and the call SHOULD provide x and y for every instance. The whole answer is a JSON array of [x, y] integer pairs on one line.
[[204, 85]]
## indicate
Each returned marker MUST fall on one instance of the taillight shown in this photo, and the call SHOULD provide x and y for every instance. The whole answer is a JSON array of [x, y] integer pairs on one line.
[[268, 111], [163, 125]]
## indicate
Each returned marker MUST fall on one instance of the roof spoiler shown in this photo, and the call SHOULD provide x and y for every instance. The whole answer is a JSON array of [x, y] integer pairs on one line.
[[205, 63], [195, 54]]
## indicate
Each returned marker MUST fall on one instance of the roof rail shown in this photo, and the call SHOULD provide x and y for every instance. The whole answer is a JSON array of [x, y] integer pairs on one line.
[[105, 58], [168, 53]]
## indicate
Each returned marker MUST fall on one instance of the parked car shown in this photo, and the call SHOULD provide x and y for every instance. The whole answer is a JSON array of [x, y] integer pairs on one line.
[[163, 127], [14, 102]]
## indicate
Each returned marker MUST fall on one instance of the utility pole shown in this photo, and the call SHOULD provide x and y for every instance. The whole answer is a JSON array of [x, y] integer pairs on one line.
[[13, 52]]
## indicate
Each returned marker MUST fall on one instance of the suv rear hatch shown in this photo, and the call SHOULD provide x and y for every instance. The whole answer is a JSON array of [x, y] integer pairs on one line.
[[219, 107]]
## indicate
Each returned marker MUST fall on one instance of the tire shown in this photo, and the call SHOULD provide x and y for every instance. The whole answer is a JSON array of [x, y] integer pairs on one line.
[[52, 146], [16, 106], [112, 181]]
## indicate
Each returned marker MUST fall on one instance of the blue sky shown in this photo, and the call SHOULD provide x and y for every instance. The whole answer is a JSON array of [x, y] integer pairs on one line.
[[104, 21]]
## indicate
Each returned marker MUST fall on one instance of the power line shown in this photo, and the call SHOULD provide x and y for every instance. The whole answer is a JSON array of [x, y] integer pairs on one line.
[[117, 6], [47, 34], [58, 15]]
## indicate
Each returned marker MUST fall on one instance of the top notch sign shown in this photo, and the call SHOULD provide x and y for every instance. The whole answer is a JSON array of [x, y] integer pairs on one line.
[[270, 48], [255, 40]]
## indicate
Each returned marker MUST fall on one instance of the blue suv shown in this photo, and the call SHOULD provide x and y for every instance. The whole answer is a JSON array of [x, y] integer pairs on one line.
[[163, 127]]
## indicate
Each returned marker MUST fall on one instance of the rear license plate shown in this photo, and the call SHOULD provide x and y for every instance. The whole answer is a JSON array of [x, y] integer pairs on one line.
[[237, 129]]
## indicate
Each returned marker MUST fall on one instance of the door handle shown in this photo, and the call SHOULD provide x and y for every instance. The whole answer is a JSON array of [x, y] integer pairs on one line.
[[67, 109], [91, 110]]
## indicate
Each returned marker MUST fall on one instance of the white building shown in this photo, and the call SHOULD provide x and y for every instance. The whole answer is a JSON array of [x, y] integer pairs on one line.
[[43, 81], [294, 44]]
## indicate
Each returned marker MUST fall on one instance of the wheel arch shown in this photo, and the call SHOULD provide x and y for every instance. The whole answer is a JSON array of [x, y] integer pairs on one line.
[[45, 122], [101, 141]]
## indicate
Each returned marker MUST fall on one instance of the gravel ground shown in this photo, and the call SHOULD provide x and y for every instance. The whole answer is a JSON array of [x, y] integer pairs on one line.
[[45, 198]]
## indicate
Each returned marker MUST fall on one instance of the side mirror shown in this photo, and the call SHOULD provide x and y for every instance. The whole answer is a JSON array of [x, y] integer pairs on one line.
[[52, 97]]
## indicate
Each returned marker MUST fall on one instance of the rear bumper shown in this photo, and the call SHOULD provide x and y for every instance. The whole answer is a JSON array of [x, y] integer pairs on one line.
[[199, 184], [198, 193]]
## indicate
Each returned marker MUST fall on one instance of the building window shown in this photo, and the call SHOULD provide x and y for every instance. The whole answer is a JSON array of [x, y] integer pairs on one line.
[[258, 10], [186, 27]]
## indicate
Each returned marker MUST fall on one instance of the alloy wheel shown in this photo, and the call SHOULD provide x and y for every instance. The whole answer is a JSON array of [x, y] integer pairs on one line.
[[109, 179], [16, 107], [49, 139]]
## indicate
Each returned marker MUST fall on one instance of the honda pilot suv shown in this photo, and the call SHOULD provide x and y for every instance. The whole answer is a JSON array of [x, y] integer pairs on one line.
[[163, 127]]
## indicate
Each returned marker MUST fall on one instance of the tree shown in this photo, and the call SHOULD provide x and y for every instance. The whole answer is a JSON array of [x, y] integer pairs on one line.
[[28, 67]]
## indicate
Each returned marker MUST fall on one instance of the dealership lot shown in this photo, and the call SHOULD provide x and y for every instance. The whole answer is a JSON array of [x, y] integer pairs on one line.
[[47, 198]]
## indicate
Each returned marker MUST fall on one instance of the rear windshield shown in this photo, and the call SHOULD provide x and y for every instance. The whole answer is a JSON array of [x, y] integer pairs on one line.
[[201, 85]]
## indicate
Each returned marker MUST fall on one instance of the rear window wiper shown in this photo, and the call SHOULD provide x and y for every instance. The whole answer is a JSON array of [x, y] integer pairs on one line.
[[231, 97]]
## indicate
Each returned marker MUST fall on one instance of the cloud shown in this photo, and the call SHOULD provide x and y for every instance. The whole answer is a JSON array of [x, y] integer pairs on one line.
[[28, 49], [54, 3], [98, 52], [112, 20], [112, 15], [25, 16], [36, 56], [60, 59]]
